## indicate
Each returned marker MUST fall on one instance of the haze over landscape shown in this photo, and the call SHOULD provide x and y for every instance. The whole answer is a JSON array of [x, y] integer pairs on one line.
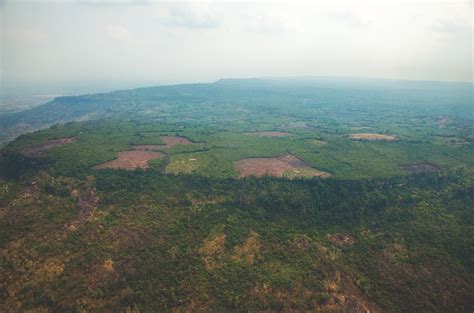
[[236, 156], [125, 43]]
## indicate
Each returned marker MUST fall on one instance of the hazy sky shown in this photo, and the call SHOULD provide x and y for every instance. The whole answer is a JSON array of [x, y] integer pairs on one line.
[[126, 42]]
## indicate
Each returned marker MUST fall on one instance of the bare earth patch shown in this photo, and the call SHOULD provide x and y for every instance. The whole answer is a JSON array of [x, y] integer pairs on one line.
[[341, 239], [40, 150], [269, 134], [130, 160], [367, 136], [420, 168], [169, 142], [286, 165]]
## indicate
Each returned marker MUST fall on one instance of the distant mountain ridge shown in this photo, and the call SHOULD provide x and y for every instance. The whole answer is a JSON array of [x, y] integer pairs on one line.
[[432, 98]]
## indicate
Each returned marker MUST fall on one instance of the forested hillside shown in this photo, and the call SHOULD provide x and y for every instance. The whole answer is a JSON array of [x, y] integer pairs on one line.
[[147, 242], [242, 196]]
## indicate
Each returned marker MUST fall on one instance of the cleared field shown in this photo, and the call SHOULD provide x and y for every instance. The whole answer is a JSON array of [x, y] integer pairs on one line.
[[269, 134], [130, 160], [40, 150], [169, 142], [420, 168], [282, 166], [368, 136], [328, 147]]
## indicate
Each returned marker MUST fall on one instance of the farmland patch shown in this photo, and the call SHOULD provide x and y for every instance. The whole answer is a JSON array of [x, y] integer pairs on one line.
[[130, 160], [282, 166], [169, 142]]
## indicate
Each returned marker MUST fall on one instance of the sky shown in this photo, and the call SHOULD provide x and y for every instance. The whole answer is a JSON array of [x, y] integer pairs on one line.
[[127, 43]]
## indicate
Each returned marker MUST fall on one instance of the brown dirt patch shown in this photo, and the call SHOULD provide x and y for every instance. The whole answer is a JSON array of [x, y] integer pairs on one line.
[[420, 168], [367, 136], [341, 239], [269, 134], [130, 160], [169, 142], [40, 150], [286, 165]]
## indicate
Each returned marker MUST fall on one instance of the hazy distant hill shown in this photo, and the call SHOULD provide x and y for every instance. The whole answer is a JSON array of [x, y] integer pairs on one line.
[[283, 96]]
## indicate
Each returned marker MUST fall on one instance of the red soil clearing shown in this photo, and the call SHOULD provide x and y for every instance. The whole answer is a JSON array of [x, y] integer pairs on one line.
[[130, 160], [169, 142], [283, 165], [40, 150]]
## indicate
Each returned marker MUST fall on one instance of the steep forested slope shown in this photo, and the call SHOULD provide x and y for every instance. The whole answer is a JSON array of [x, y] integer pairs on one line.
[[149, 242]]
